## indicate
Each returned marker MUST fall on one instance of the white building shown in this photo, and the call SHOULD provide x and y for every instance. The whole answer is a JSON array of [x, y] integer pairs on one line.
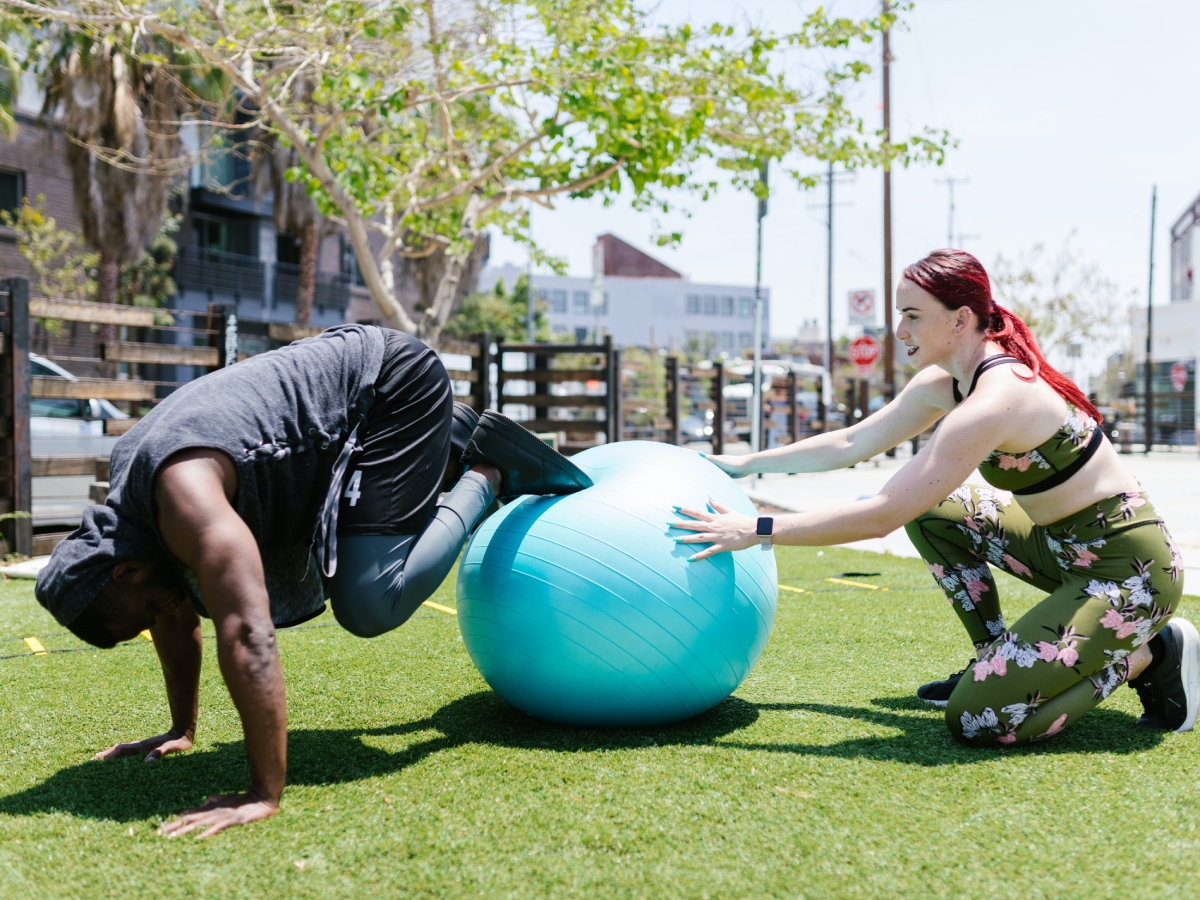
[[1176, 339], [1185, 253], [645, 302]]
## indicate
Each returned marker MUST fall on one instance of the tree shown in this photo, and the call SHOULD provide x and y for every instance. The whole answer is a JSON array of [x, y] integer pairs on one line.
[[60, 266], [120, 96], [10, 80], [276, 164], [432, 120], [502, 314], [147, 281], [105, 98], [1065, 300]]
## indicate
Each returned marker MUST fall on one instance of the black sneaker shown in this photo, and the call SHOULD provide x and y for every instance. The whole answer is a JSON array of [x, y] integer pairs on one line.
[[526, 464], [1170, 689], [462, 423], [937, 693]]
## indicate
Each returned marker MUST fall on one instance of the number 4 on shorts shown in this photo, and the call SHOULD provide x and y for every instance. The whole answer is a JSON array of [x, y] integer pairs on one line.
[[352, 489]]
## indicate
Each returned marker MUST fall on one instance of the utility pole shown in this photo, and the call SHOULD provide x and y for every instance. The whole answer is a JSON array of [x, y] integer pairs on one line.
[[1150, 330], [889, 343], [827, 388], [756, 393], [529, 310], [950, 182], [596, 294]]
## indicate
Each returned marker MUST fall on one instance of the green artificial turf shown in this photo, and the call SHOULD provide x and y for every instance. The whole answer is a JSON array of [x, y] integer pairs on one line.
[[820, 777]]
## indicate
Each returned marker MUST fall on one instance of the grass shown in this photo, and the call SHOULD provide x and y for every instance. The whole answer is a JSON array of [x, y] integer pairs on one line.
[[820, 777]]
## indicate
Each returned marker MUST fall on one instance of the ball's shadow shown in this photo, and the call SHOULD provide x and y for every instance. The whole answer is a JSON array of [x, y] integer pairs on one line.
[[131, 790]]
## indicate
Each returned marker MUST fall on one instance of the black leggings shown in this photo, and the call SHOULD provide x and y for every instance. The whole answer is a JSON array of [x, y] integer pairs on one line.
[[382, 578]]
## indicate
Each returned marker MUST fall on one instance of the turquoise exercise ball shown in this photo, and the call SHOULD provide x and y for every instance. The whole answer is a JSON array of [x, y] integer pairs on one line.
[[583, 610]]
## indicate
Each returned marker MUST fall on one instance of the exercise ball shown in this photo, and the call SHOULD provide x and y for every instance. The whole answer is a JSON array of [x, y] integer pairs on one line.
[[583, 610]]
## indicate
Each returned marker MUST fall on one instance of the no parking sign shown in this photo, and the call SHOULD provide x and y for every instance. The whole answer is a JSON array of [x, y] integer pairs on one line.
[[862, 307]]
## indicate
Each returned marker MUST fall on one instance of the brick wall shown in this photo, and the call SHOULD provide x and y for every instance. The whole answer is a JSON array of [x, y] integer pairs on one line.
[[40, 154]]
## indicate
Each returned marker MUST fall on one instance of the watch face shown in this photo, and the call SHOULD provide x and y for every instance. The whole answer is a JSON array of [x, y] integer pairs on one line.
[[766, 525]]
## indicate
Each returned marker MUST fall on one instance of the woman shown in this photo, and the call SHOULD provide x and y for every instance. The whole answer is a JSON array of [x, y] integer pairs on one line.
[[1061, 513]]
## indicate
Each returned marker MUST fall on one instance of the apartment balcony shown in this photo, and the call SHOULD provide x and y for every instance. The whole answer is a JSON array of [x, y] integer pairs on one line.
[[220, 272], [332, 290], [247, 278]]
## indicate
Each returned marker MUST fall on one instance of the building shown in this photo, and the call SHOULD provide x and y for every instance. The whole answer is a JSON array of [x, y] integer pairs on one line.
[[1185, 252], [645, 303], [231, 257], [1176, 339]]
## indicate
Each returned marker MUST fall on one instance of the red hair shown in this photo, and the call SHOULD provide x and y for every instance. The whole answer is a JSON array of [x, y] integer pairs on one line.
[[955, 278]]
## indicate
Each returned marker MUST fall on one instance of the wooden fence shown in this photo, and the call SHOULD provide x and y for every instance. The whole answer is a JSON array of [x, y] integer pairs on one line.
[[571, 391], [120, 361]]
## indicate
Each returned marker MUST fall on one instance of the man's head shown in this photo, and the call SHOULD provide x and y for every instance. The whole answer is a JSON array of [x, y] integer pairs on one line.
[[135, 596], [105, 577]]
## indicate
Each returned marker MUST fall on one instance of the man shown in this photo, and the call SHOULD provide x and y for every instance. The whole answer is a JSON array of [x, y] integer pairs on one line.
[[221, 495]]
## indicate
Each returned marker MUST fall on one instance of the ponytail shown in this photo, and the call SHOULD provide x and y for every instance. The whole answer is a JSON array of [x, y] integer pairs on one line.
[[1010, 332]]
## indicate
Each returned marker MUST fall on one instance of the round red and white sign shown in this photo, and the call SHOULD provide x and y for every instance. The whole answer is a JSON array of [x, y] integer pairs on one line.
[[1179, 377], [862, 303], [864, 351]]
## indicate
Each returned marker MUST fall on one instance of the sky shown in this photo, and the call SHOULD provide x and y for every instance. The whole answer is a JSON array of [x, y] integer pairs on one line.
[[1067, 113]]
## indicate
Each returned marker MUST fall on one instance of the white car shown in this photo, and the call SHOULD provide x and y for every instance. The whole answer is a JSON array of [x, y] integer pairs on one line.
[[61, 427]]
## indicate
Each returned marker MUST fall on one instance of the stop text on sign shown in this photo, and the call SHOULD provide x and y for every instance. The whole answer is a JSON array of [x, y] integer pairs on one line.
[[864, 351]]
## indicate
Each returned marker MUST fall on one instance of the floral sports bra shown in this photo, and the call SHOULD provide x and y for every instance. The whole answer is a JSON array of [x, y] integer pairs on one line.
[[1045, 466]]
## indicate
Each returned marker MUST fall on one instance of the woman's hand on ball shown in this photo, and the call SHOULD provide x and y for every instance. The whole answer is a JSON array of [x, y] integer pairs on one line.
[[733, 466], [723, 530]]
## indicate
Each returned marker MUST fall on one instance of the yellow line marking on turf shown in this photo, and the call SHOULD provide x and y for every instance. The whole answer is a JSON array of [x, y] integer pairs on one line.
[[147, 635], [35, 646], [788, 587], [861, 584], [440, 608]]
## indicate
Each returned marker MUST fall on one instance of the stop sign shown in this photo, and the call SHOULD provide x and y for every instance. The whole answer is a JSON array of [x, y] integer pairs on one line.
[[864, 351], [1179, 377]]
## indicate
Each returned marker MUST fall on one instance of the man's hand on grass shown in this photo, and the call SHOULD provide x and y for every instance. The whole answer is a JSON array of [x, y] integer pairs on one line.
[[152, 748], [219, 812]]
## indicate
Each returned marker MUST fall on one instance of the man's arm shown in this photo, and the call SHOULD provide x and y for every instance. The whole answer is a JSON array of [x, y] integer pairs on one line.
[[200, 527], [178, 644]]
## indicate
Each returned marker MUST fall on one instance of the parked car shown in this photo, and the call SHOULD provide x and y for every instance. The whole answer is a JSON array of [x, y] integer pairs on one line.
[[696, 428], [65, 427]]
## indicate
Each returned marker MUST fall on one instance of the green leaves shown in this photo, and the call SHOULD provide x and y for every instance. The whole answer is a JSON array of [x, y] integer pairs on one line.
[[431, 120]]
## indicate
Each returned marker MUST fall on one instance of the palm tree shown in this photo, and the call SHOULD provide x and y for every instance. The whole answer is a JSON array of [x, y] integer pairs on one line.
[[295, 213], [121, 111]]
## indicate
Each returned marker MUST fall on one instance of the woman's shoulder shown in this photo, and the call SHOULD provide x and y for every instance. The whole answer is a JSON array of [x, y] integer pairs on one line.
[[933, 386], [1014, 389]]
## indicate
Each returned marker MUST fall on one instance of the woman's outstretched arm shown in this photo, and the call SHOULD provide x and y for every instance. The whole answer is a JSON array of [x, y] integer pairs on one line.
[[917, 408], [960, 445]]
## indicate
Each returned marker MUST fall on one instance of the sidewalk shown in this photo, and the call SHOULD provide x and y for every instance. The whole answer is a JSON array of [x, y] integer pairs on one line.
[[1172, 481]]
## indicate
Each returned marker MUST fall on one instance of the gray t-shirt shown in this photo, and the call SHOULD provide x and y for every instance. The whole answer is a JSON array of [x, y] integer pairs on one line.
[[282, 417]]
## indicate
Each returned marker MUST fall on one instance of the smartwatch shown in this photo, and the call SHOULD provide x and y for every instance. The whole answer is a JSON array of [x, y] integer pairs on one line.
[[766, 525]]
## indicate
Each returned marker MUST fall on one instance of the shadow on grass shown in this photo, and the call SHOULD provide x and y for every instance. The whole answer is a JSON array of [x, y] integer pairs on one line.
[[925, 741], [130, 790]]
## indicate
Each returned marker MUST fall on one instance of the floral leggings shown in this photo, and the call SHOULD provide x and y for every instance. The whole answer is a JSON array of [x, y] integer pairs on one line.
[[1113, 576]]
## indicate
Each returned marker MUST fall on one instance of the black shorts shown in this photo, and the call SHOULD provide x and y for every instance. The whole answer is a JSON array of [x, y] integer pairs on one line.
[[392, 486]]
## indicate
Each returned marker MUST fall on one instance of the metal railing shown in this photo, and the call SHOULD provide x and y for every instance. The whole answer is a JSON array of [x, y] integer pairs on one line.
[[221, 272], [331, 291]]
